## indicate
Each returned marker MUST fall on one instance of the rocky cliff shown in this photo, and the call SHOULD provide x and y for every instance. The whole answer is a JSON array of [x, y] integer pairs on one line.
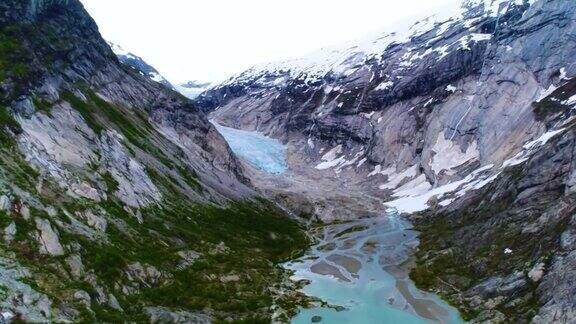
[[118, 199], [463, 120], [449, 93]]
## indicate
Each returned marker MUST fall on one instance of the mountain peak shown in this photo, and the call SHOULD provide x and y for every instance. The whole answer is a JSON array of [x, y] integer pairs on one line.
[[138, 64], [340, 59]]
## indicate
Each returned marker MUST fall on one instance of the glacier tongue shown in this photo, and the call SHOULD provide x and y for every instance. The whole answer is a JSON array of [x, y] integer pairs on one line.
[[265, 153]]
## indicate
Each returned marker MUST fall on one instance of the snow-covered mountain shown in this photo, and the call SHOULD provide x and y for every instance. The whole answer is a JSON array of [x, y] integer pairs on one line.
[[192, 89], [137, 63], [344, 59]]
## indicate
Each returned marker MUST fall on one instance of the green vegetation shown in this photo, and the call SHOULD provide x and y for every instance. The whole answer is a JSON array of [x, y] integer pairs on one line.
[[85, 109], [190, 177], [7, 123], [3, 292], [256, 239], [247, 238], [452, 257], [132, 124], [355, 228], [242, 240], [111, 183], [13, 56], [42, 105]]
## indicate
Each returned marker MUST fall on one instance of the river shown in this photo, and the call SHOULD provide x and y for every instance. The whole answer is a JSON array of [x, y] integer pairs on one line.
[[359, 266]]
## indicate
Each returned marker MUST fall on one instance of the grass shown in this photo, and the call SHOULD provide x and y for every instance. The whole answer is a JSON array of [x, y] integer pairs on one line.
[[42, 105], [85, 109], [7, 123], [13, 56], [111, 184]]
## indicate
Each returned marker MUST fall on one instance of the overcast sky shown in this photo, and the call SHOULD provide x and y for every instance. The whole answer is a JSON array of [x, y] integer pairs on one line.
[[210, 40]]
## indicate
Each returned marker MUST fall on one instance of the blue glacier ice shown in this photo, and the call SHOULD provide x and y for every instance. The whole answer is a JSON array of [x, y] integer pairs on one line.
[[263, 152]]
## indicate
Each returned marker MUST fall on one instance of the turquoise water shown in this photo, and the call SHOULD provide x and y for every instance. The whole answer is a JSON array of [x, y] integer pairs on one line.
[[263, 152], [380, 291]]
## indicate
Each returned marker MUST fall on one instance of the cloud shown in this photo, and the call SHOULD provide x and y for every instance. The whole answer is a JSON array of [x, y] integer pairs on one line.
[[214, 39]]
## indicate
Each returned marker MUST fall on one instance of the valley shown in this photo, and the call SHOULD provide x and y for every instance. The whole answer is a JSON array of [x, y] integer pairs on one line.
[[425, 173]]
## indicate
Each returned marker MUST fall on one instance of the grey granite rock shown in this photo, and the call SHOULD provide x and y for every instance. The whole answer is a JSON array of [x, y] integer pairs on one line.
[[48, 238], [166, 315]]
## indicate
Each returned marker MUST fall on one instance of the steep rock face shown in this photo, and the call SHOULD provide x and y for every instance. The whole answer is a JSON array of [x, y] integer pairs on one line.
[[446, 94], [119, 201], [58, 66], [504, 252]]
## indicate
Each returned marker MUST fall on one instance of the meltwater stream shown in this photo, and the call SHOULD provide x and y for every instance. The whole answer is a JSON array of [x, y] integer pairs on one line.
[[356, 266]]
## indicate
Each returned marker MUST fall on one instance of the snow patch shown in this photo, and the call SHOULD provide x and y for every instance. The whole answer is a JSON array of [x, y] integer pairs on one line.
[[384, 86], [118, 50], [343, 59], [310, 143], [416, 200], [449, 155], [543, 139], [331, 160], [417, 186], [570, 101], [546, 92], [530, 148], [395, 179], [563, 75], [378, 170]]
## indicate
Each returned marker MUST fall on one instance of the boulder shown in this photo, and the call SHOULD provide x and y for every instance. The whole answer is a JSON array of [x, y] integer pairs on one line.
[[48, 238]]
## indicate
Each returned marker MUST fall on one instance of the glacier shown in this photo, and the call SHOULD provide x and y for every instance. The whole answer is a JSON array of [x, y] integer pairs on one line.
[[265, 153]]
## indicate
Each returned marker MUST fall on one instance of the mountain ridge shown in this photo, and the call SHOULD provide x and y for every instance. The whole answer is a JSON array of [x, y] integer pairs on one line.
[[139, 65]]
